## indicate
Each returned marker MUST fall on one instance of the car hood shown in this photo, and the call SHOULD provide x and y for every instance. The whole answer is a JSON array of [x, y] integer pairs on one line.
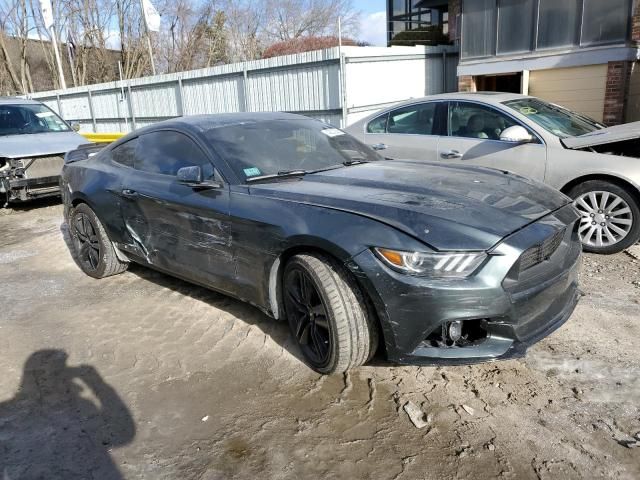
[[446, 207], [617, 133], [39, 144]]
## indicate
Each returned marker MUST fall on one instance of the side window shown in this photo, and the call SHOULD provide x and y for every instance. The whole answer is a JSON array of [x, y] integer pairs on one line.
[[165, 152], [415, 119], [471, 120], [125, 153], [378, 125]]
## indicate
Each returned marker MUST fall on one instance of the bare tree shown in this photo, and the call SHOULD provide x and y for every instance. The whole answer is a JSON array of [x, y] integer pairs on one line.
[[196, 36], [87, 26], [289, 19]]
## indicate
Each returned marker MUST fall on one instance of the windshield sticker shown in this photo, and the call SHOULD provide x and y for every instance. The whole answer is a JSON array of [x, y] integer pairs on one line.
[[44, 114], [252, 172], [528, 111], [332, 132]]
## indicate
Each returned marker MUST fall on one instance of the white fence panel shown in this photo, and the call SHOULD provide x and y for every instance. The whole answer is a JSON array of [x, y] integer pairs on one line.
[[332, 85], [213, 95]]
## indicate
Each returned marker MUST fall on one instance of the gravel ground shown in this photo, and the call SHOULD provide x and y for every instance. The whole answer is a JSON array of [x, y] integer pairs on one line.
[[144, 376]]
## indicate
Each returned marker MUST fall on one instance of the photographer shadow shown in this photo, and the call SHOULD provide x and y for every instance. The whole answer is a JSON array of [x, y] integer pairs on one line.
[[62, 422]]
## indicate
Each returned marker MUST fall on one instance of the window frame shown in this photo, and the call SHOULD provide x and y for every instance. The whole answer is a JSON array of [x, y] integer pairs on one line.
[[533, 40], [115, 162], [436, 114], [204, 151], [626, 37], [538, 139]]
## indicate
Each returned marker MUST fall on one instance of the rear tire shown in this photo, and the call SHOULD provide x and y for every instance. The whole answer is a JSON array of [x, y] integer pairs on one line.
[[610, 216], [93, 251], [327, 314]]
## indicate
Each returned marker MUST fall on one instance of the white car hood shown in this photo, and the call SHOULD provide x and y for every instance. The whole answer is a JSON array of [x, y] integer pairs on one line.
[[617, 133], [39, 144]]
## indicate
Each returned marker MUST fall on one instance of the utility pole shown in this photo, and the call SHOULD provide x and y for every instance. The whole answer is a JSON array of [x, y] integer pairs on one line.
[[153, 65], [47, 16]]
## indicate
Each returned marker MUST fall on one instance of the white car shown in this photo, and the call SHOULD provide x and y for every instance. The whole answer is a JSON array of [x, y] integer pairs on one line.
[[595, 165]]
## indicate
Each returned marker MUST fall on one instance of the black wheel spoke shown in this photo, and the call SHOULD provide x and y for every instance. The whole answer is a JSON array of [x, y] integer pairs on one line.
[[303, 330], [295, 300], [88, 244], [320, 345], [93, 257], [322, 322], [305, 289], [80, 229], [307, 316]]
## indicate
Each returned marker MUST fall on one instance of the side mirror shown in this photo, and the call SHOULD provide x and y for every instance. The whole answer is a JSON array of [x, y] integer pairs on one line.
[[192, 176], [75, 126], [516, 134]]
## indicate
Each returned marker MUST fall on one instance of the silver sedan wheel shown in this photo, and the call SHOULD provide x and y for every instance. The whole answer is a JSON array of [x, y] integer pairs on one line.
[[606, 218]]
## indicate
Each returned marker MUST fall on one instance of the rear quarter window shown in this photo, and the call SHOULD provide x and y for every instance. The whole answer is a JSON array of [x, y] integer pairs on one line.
[[124, 154], [378, 125]]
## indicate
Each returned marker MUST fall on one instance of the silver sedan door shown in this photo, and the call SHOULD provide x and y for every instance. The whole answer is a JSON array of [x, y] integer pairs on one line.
[[474, 138], [410, 132]]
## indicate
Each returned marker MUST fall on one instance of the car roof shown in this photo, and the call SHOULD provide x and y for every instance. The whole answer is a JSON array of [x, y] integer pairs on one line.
[[18, 101], [218, 120], [486, 97]]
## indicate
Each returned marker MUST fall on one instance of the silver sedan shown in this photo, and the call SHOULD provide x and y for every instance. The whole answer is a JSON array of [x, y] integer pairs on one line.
[[597, 166]]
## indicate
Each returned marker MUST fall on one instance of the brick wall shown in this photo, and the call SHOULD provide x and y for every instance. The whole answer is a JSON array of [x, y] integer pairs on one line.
[[618, 76], [466, 83], [635, 23]]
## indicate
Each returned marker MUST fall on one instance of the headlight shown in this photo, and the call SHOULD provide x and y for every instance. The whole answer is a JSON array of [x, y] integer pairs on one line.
[[451, 265]]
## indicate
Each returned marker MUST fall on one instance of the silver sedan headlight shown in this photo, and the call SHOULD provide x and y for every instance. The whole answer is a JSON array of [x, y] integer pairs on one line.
[[448, 265]]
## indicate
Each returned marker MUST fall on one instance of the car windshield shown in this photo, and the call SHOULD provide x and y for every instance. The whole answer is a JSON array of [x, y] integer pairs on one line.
[[554, 119], [263, 148], [29, 118]]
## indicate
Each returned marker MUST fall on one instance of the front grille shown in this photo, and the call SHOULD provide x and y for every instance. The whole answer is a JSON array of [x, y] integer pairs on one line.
[[541, 252]]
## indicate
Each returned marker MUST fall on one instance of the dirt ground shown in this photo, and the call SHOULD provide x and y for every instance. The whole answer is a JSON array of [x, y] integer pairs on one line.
[[144, 376]]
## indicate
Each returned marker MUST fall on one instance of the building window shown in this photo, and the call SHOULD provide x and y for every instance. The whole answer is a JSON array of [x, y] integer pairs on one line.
[[418, 22], [557, 23], [478, 28], [604, 22], [515, 25]]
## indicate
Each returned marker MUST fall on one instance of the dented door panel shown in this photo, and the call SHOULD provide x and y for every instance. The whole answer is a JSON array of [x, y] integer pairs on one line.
[[176, 228]]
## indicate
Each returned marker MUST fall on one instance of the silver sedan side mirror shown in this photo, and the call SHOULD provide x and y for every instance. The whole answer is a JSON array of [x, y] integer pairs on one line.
[[75, 126], [516, 134]]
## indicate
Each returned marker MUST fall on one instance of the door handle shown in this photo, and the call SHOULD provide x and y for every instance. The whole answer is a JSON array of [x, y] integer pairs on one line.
[[379, 146], [129, 193], [451, 154]]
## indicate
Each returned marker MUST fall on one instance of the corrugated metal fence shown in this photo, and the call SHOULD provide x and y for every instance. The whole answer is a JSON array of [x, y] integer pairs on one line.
[[337, 86]]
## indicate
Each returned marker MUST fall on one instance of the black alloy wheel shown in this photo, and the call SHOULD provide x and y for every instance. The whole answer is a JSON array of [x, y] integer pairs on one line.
[[93, 251], [327, 314], [307, 316], [88, 246]]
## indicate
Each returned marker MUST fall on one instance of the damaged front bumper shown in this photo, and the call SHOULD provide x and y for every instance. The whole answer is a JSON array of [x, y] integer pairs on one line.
[[505, 310], [29, 178]]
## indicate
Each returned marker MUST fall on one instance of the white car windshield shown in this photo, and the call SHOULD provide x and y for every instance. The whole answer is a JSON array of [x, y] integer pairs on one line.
[[29, 118], [553, 118]]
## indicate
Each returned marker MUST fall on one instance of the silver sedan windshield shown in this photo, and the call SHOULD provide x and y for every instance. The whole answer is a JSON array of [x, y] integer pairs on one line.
[[554, 119], [29, 118]]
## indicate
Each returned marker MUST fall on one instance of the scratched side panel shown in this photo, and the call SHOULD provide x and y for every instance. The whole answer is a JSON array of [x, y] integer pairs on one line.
[[178, 229], [264, 228]]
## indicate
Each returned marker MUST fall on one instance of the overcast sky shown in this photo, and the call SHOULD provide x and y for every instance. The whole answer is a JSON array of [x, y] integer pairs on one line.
[[373, 23]]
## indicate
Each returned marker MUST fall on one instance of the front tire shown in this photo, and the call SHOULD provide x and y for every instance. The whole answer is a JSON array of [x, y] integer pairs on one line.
[[93, 251], [610, 216], [327, 314]]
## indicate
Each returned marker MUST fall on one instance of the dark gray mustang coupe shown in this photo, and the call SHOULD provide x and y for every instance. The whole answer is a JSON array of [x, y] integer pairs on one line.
[[445, 264]]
